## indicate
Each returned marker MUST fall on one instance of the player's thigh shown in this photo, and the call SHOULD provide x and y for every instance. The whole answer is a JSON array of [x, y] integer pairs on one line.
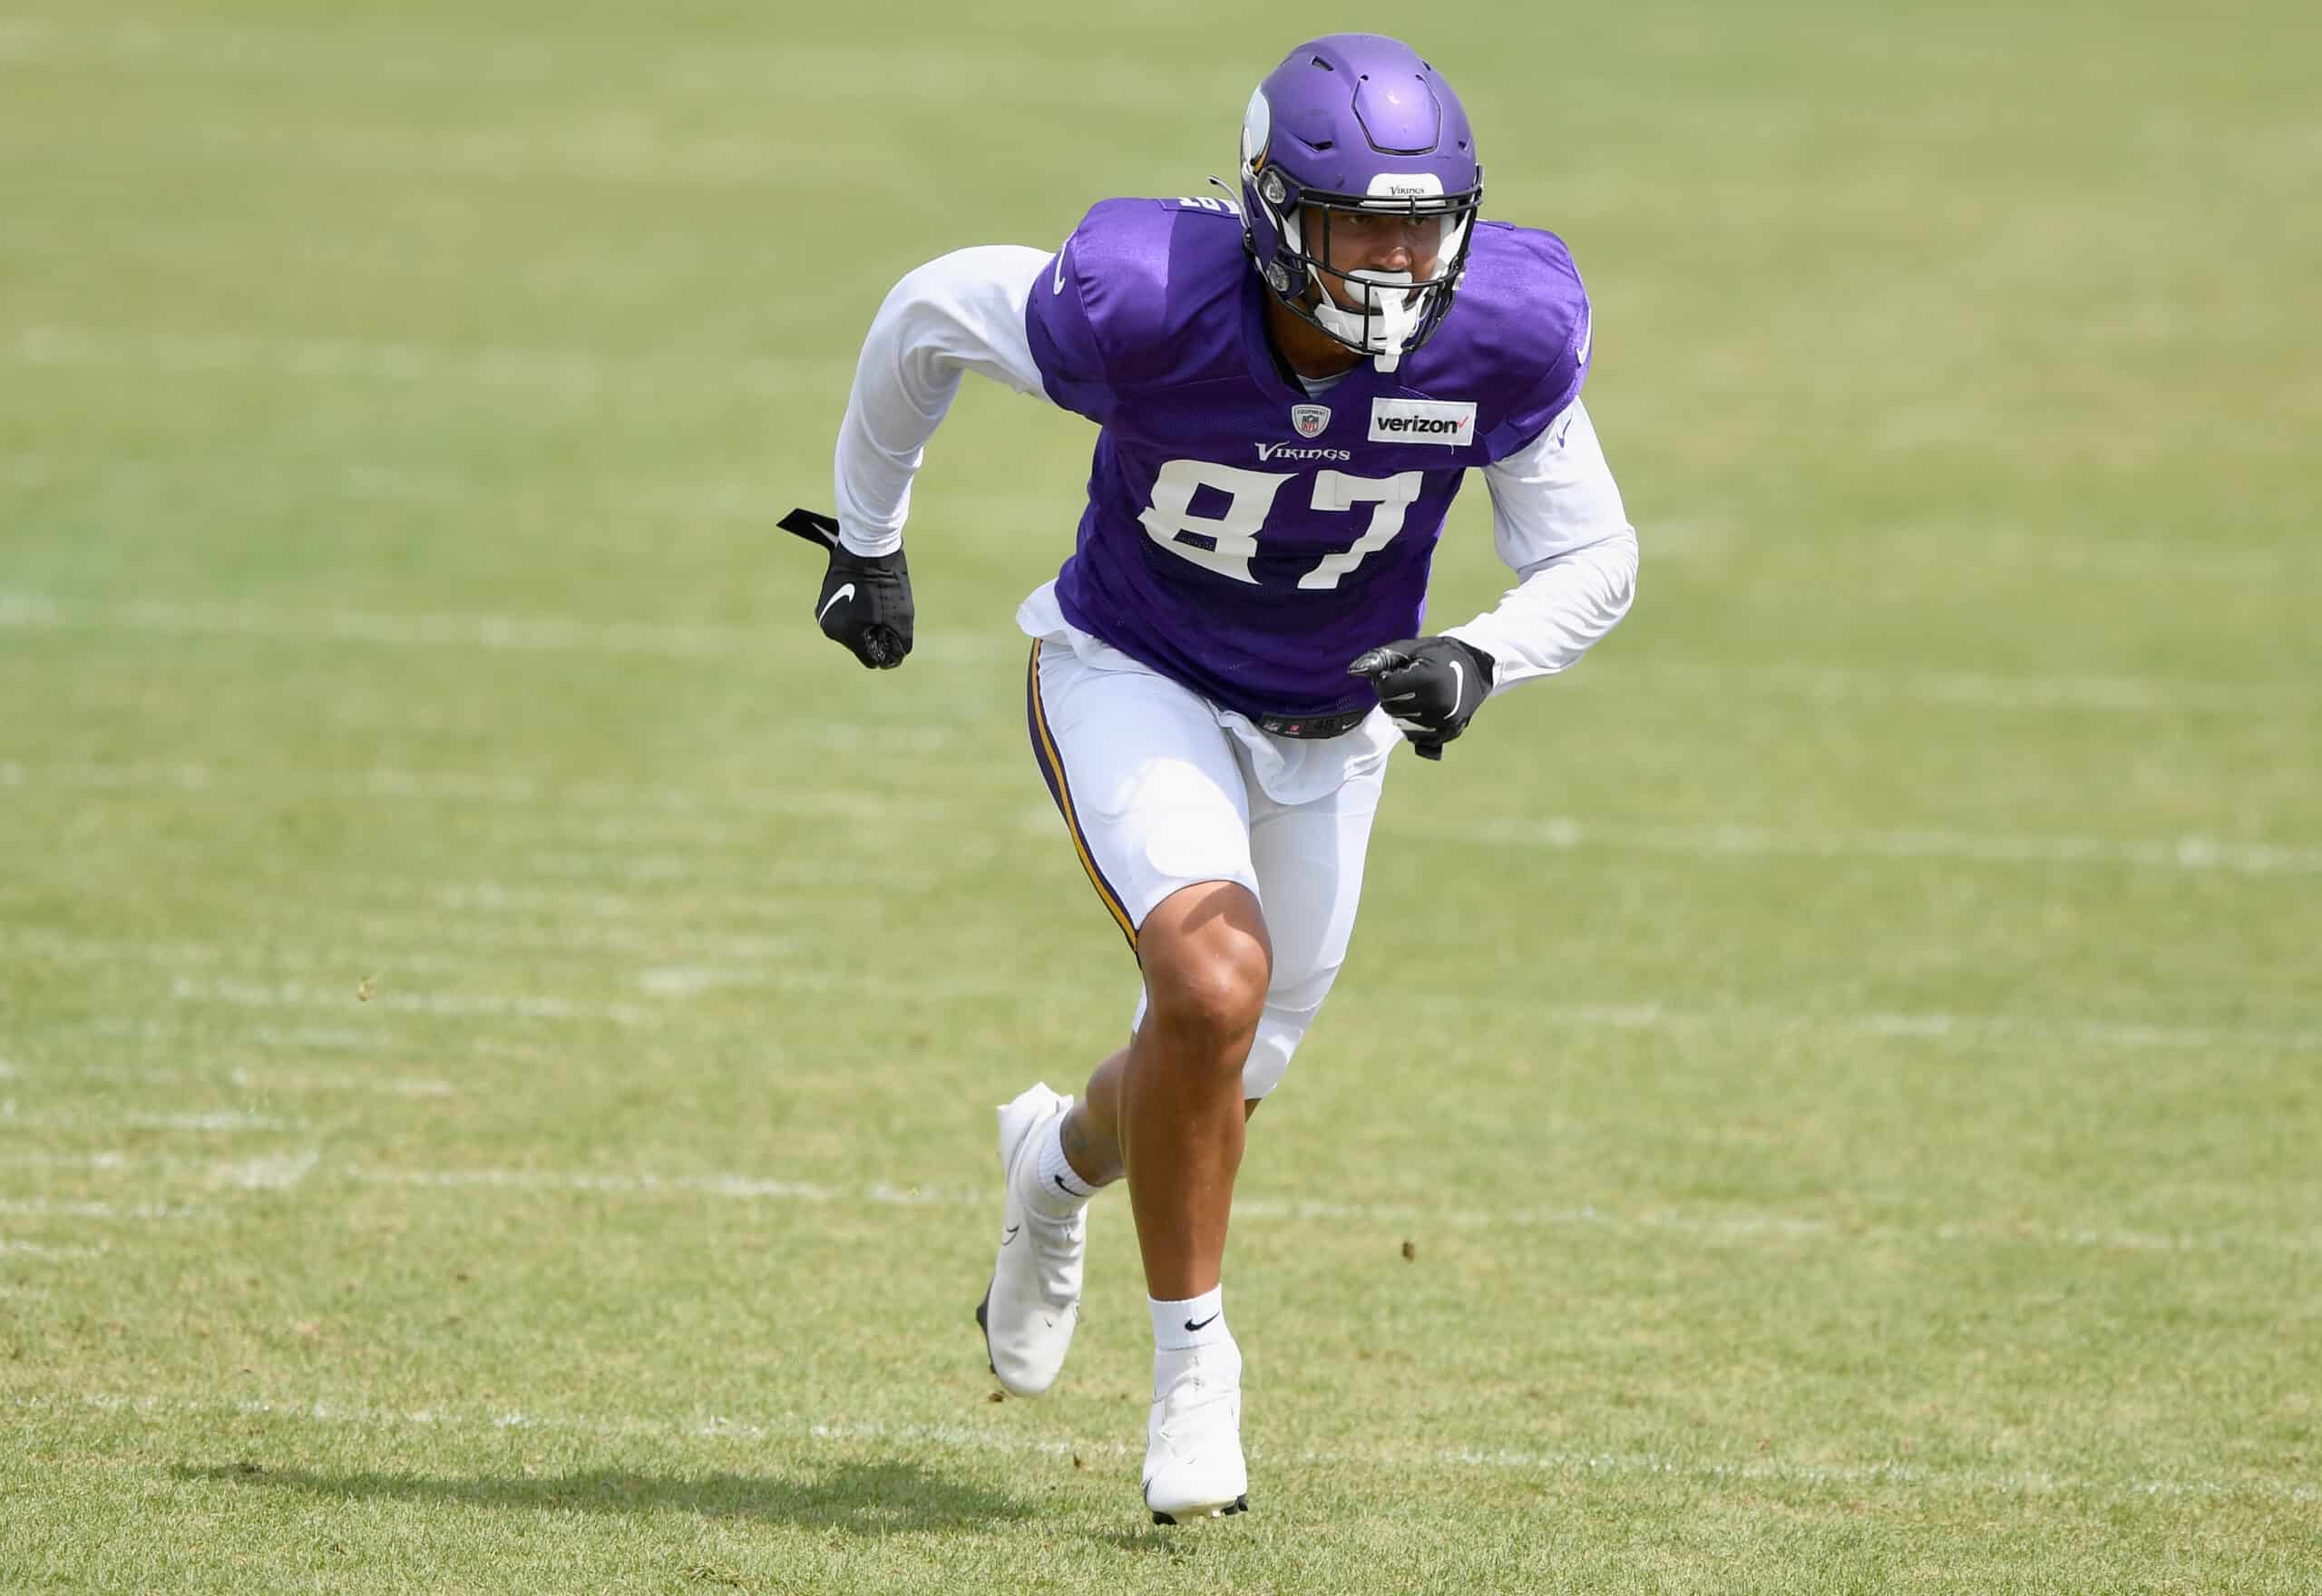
[[1308, 861], [1144, 778]]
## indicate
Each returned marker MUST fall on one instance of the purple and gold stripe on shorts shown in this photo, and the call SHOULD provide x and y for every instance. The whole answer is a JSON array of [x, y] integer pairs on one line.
[[1051, 763]]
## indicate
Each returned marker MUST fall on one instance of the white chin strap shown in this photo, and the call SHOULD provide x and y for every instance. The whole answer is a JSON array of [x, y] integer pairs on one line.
[[1395, 309]]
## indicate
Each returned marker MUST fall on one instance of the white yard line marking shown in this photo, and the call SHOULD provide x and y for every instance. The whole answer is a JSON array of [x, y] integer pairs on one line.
[[684, 981], [2032, 692], [376, 944], [742, 1188], [469, 59], [374, 1086], [1715, 1225], [572, 371], [1556, 833], [222, 1119], [2113, 694], [15, 1118], [269, 1172], [381, 965], [2026, 1030], [107, 1163], [387, 968], [1878, 551], [151, 1029], [247, 1080], [282, 1172], [381, 952], [963, 1438], [483, 1005], [2186, 854], [276, 1174], [217, 1122], [351, 967], [43, 1252], [2013, 1029], [498, 633], [288, 480], [60, 1207], [517, 63], [315, 1037]]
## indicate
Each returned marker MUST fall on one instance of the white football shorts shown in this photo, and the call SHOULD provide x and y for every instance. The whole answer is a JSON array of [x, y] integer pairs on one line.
[[1161, 789]]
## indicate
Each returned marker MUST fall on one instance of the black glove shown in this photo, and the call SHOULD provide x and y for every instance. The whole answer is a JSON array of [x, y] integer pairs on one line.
[[865, 601], [1432, 686]]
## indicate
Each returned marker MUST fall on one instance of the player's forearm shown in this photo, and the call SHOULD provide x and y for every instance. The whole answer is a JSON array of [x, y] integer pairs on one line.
[[963, 312], [1558, 523], [1547, 622]]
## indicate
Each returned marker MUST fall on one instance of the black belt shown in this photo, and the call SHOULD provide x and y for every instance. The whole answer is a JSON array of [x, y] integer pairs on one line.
[[1310, 726]]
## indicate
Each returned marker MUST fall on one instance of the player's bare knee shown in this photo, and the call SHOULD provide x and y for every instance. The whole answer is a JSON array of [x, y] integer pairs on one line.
[[1207, 966], [1213, 1002]]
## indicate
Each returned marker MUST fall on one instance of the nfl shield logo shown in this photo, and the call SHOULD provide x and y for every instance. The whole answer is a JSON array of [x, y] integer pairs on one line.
[[1310, 419]]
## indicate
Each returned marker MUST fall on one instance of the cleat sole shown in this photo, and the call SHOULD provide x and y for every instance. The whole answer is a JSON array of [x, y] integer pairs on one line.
[[1239, 1504], [984, 1323]]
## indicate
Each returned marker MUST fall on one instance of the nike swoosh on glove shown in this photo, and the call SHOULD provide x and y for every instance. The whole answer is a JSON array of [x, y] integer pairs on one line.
[[865, 601], [1431, 686]]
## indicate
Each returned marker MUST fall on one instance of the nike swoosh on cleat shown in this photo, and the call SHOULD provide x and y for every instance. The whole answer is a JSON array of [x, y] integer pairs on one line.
[[1060, 1186], [846, 592], [1010, 1236], [1210, 1320]]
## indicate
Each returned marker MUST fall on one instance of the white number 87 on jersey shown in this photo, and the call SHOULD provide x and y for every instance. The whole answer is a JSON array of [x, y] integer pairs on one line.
[[1233, 537]]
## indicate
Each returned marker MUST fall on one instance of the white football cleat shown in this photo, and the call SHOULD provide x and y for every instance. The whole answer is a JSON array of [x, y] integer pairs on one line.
[[1193, 1443], [1033, 1303]]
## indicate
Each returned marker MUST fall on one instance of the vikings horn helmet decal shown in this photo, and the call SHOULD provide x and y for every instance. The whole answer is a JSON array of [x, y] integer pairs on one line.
[[1354, 131]]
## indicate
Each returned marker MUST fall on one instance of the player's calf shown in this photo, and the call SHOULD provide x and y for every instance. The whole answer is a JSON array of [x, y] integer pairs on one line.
[[1207, 963]]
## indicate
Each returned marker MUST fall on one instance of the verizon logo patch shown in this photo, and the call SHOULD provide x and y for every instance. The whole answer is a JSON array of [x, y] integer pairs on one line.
[[1422, 421]]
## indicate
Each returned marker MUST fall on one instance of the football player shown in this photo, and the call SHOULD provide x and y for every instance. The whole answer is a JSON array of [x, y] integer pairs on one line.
[[1289, 384]]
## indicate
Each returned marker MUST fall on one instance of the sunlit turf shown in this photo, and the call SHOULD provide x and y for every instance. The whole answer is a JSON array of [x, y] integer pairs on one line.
[[498, 1020]]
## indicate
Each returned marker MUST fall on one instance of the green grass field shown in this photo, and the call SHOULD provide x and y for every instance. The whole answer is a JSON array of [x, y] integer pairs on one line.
[[499, 1020]]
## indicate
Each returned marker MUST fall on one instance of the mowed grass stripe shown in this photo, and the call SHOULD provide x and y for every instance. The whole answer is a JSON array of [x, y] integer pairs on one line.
[[284, 482], [1723, 1225], [1728, 1222], [464, 56], [326, 623], [1548, 833], [674, 977], [84, 1072], [1897, 1474], [576, 372]]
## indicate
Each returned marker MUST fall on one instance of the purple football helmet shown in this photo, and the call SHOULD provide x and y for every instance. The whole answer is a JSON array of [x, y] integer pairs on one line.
[[1355, 131]]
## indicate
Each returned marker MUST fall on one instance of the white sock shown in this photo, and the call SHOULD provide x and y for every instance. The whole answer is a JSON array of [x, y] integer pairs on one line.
[[1062, 1192], [1198, 1322]]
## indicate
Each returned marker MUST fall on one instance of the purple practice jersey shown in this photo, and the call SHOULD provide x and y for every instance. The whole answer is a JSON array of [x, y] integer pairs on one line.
[[1242, 537]]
